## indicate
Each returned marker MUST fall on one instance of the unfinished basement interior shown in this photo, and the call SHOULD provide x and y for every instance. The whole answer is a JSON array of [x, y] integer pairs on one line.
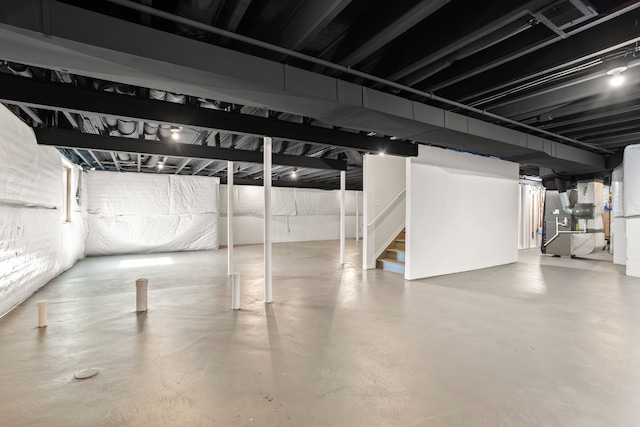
[[319, 213]]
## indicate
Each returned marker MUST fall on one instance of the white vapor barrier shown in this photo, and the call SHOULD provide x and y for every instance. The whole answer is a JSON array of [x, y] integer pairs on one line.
[[299, 215], [462, 213], [36, 241], [248, 230], [317, 202], [133, 213], [151, 233], [249, 201], [631, 189], [617, 186]]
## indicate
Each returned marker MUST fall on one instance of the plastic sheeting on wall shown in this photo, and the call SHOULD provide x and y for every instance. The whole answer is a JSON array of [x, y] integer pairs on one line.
[[631, 163], [36, 243], [617, 186], [531, 216], [131, 213], [249, 201]]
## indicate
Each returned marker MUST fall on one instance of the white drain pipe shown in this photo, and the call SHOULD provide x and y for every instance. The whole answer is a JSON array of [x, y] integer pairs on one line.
[[141, 294], [42, 314]]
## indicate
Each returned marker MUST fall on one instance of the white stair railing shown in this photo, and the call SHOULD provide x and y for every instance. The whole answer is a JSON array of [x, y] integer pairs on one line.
[[388, 207]]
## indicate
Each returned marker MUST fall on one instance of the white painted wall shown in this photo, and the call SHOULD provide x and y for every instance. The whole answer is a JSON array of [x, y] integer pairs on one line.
[[462, 212], [299, 215], [384, 177], [631, 208], [618, 222], [36, 242]]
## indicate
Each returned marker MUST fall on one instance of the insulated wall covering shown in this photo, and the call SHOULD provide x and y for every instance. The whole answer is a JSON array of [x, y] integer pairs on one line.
[[131, 213], [36, 241], [249, 201], [298, 215]]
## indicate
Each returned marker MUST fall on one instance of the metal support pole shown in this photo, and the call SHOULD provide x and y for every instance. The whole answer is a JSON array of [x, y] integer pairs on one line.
[[357, 216], [343, 180], [229, 218], [268, 298]]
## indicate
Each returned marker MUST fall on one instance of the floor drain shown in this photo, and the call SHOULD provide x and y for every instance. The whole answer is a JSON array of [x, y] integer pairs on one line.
[[86, 373]]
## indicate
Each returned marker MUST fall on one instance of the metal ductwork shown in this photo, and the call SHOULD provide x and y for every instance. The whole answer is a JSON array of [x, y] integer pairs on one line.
[[19, 69], [564, 196], [198, 10]]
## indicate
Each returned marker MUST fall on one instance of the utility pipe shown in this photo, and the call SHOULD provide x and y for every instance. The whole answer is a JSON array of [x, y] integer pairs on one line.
[[42, 314], [218, 31], [229, 218], [141, 294], [268, 297]]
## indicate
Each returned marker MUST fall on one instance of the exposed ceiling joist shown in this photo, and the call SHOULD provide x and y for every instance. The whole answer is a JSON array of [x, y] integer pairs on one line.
[[307, 20], [69, 139], [30, 92], [368, 37], [606, 35]]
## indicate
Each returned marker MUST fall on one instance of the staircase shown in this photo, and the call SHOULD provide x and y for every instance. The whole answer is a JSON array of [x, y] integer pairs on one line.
[[392, 259]]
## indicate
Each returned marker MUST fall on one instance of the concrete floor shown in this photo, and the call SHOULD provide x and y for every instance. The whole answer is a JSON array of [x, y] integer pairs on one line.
[[543, 342]]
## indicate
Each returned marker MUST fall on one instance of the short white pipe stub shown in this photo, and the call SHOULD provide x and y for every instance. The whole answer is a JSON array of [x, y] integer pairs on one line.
[[141, 294], [42, 314]]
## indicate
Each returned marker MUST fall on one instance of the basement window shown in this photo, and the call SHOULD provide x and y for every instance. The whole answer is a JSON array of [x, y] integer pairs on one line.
[[66, 192]]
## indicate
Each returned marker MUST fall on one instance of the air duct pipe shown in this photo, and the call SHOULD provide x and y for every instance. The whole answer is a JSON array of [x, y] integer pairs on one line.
[[564, 197], [19, 69]]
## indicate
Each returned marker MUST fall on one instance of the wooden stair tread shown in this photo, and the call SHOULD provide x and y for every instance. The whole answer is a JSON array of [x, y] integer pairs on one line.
[[400, 240], [391, 260], [396, 250]]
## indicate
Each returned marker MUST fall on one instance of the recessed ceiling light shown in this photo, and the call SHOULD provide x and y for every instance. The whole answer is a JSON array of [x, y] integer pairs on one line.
[[381, 154], [616, 80]]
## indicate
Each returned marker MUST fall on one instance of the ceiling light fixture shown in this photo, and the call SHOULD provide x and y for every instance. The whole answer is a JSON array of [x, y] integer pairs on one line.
[[618, 66], [160, 165], [616, 80], [175, 133], [371, 134], [294, 173], [381, 154]]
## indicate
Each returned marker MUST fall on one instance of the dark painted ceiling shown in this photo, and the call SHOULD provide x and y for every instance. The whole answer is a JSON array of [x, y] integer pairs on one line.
[[540, 63]]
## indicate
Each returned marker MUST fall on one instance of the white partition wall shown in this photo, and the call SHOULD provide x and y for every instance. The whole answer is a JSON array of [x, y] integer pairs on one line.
[[462, 212], [383, 180], [631, 208]]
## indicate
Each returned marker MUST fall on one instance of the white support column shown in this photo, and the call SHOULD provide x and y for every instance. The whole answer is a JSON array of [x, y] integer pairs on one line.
[[230, 218], [357, 216], [268, 297], [343, 181]]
